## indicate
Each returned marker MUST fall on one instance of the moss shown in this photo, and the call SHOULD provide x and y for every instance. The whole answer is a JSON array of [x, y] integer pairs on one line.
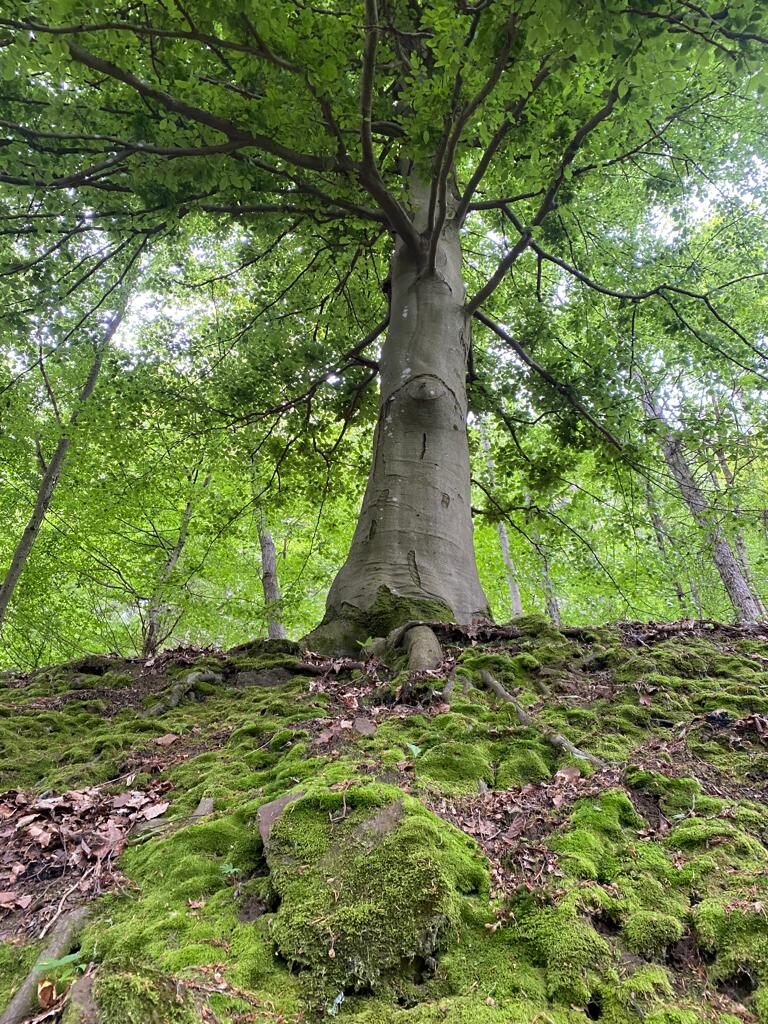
[[760, 1004], [733, 926], [650, 932], [454, 767], [15, 963], [537, 626], [572, 953], [259, 648], [369, 882], [695, 833], [616, 887], [136, 999], [344, 630], [511, 669], [528, 762], [278, 659]]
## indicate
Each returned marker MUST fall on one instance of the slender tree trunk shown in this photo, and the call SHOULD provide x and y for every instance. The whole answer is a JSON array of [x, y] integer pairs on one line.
[[739, 541], [662, 535], [514, 588], [509, 565], [155, 623], [745, 603], [270, 583], [51, 474], [414, 538], [551, 602]]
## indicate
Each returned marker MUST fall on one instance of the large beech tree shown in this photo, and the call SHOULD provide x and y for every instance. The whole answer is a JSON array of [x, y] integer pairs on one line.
[[408, 126]]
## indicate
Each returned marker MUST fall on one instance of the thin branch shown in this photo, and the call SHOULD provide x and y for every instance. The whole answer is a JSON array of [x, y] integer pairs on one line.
[[550, 196], [561, 388]]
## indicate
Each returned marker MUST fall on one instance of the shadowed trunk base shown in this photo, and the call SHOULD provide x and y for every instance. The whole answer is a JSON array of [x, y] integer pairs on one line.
[[345, 629]]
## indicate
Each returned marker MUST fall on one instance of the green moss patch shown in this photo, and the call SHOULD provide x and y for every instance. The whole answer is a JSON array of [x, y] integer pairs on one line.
[[629, 894]]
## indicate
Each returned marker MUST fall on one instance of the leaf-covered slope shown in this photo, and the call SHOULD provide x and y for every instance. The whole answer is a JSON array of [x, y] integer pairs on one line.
[[434, 860]]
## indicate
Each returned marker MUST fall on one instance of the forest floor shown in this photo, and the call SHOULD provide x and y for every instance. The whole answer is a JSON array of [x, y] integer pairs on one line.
[[552, 827]]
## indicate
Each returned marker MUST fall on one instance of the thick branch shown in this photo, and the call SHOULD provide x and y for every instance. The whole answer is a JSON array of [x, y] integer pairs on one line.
[[550, 196], [220, 124]]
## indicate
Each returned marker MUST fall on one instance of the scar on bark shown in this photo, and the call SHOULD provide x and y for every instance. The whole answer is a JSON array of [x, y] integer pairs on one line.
[[423, 446], [413, 568], [372, 530]]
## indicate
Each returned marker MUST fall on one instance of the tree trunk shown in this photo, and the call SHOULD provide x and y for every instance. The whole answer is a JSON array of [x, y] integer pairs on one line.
[[270, 583], [662, 535], [51, 474], [45, 492], [745, 603], [412, 554], [514, 588], [550, 595], [509, 565], [155, 625], [741, 545]]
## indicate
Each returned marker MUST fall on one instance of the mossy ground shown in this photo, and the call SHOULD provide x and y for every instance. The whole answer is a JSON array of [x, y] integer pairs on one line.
[[444, 863]]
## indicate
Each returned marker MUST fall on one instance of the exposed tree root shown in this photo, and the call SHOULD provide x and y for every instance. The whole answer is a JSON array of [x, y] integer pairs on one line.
[[423, 649], [555, 739], [178, 692], [62, 940]]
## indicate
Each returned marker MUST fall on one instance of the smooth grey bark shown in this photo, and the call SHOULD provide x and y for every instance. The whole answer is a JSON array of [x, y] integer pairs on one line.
[[156, 630], [745, 603], [51, 471], [551, 603], [269, 581], [414, 533], [509, 566]]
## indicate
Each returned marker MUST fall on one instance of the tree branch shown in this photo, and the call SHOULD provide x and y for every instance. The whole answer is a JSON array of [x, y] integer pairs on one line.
[[369, 175], [548, 202], [226, 127], [545, 375]]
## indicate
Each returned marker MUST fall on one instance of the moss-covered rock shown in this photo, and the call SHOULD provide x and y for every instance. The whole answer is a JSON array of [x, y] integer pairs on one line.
[[131, 999], [371, 888]]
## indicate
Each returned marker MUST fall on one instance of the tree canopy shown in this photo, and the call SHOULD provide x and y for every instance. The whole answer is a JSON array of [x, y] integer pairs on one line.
[[237, 181]]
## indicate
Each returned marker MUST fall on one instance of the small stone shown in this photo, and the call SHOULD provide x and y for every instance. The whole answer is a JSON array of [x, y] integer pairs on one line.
[[269, 813], [204, 807], [263, 677], [364, 726]]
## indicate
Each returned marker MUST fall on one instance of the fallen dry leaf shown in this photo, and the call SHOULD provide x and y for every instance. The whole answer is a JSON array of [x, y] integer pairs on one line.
[[155, 810], [46, 993]]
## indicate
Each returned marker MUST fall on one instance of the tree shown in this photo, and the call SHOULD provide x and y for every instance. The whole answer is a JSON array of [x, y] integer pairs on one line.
[[95, 338], [406, 130]]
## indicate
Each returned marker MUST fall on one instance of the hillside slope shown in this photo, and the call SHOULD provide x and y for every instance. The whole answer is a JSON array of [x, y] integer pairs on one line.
[[554, 827]]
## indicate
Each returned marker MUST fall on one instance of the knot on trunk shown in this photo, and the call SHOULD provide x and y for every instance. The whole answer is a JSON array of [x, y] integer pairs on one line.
[[426, 388]]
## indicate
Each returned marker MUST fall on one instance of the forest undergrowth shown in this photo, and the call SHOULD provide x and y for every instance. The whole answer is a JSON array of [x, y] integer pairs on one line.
[[553, 826]]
